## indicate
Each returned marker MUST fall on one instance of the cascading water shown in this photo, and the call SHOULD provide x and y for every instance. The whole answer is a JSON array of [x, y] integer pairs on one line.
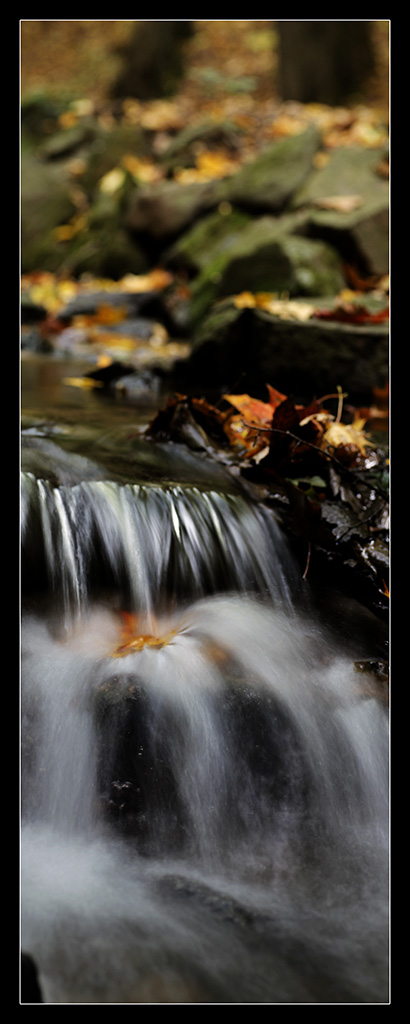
[[204, 774]]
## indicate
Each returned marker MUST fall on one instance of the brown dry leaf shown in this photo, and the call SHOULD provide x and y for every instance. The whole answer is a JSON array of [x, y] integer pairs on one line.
[[64, 232], [343, 204], [255, 412], [245, 300], [142, 170], [156, 280], [287, 309], [251, 428], [209, 165], [112, 181], [132, 639], [105, 315], [83, 382], [161, 115]]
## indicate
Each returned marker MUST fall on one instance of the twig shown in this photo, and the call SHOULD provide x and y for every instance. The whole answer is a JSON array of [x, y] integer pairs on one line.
[[307, 560]]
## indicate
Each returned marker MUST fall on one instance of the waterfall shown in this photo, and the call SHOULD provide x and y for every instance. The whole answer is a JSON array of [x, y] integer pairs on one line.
[[151, 541], [205, 788]]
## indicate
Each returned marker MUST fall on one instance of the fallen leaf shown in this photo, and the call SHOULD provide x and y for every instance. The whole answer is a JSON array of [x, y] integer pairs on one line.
[[83, 382], [112, 181], [156, 280], [347, 434], [344, 204], [141, 170], [284, 308], [352, 314]]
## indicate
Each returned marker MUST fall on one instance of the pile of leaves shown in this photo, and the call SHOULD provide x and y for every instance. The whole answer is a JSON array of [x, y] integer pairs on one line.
[[321, 470]]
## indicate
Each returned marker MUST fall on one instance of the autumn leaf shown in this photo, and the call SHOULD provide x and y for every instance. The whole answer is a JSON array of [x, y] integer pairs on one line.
[[112, 181], [209, 164], [155, 280], [343, 204], [284, 308], [352, 314], [87, 383], [337, 434], [141, 170], [133, 640]]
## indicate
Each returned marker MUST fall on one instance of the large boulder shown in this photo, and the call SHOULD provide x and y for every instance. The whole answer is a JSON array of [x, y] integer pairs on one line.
[[299, 357], [47, 202], [268, 182], [347, 200], [163, 211]]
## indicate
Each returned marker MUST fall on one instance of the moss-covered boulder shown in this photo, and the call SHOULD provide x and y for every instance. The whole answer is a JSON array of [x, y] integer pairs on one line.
[[47, 202], [268, 182], [104, 247], [211, 236], [266, 257], [163, 211], [350, 177]]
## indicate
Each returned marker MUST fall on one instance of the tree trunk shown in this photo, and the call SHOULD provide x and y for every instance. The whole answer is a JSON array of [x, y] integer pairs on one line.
[[152, 60], [324, 61]]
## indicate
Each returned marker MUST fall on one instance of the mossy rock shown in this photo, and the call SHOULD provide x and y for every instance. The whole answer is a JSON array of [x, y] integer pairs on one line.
[[265, 258], [46, 203], [105, 248], [269, 181], [215, 233], [107, 151], [165, 210], [362, 234], [63, 144]]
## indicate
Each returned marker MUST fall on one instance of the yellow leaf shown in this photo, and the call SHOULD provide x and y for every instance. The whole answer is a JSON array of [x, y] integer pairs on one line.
[[141, 170], [350, 433], [245, 300], [83, 382], [343, 204], [154, 281], [112, 181]]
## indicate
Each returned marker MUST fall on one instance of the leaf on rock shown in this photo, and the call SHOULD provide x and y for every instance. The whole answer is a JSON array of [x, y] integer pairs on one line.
[[83, 382], [352, 314], [133, 640], [343, 204]]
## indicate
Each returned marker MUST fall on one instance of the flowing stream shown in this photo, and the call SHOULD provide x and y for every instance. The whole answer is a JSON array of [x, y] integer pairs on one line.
[[204, 780]]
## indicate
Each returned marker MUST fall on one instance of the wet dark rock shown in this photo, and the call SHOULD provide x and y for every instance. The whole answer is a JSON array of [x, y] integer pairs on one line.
[[39, 115], [300, 357], [30, 987]]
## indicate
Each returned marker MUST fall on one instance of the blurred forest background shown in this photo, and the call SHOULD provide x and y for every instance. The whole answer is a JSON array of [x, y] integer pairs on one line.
[[222, 60]]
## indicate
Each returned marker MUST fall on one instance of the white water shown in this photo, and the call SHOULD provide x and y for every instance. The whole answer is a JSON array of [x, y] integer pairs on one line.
[[243, 858]]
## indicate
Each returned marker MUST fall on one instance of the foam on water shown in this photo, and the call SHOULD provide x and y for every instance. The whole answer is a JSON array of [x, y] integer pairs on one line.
[[256, 867]]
